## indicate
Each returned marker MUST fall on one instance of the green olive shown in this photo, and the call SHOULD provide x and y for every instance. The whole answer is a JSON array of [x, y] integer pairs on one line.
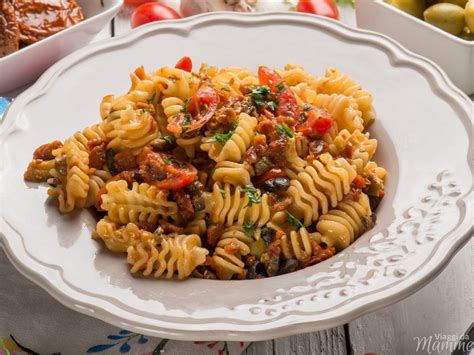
[[448, 17], [412, 7], [469, 15], [461, 3]]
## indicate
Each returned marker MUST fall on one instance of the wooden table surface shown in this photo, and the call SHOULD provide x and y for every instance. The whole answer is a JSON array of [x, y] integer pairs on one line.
[[445, 306]]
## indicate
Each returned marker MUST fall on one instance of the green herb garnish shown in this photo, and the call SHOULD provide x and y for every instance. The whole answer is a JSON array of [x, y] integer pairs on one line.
[[293, 220], [168, 138], [152, 99], [272, 105], [222, 191], [221, 138], [253, 194], [185, 106], [259, 95], [307, 107], [283, 128], [167, 161], [280, 86], [248, 228], [143, 110]]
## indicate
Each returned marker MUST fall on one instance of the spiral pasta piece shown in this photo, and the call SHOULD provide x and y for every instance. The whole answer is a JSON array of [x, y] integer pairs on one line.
[[133, 130], [228, 208], [167, 256], [228, 172], [299, 244], [335, 82], [234, 149], [39, 170], [343, 109], [190, 145], [342, 225], [172, 82], [143, 203], [319, 186], [119, 238]]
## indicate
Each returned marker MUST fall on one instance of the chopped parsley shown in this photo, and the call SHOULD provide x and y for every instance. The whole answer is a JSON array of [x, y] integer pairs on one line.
[[221, 138], [259, 95], [293, 220], [248, 228], [307, 107], [280, 86], [185, 106], [143, 110], [283, 128], [222, 192], [187, 118], [152, 99], [273, 106], [225, 88], [167, 161], [168, 138], [253, 194]]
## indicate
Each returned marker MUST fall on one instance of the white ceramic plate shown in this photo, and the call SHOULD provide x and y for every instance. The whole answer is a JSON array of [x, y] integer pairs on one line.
[[426, 216], [27, 64]]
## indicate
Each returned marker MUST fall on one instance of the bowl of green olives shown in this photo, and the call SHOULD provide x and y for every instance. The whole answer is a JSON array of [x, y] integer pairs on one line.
[[441, 30]]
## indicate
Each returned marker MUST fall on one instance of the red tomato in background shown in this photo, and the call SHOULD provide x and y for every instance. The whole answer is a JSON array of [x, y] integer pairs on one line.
[[319, 121], [185, 64], [152, 11], [319, 7], [137, 2]]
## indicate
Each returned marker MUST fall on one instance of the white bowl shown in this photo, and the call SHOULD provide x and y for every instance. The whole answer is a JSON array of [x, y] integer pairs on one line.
[[27, 64], [425, 138], [455, 55]]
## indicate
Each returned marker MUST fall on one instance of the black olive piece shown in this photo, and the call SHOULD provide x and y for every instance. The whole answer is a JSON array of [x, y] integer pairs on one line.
[[268, 235], [288, 266], [256, 270], [273, 265], [276, 184], [109, 158], [374, 202]]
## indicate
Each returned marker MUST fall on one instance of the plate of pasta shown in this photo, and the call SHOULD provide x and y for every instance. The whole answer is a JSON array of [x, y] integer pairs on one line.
[[303, 175]]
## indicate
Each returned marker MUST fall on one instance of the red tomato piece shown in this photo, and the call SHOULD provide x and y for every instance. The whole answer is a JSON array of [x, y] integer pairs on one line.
[[152, 11], [288, 107], [201, 108], [269, 77], [359, 182], [319, 121], [173, 174], [325, 8], [185, 64]]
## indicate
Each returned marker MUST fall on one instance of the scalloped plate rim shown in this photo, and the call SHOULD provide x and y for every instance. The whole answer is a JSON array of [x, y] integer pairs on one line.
[[460, 235]]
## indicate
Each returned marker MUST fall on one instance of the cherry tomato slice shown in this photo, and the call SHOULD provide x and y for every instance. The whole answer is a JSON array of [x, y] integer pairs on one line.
[[137, 2], [152, 11], [319, 121], [270, 174], [359, 182], [288, 107], [269, 77], [164, 171], [325, 8], [185, 64], [200, 109]]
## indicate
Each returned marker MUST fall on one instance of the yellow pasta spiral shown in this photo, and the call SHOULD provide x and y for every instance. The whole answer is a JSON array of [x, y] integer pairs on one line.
[[167, 256], [298, 244], [318, 186], [235, 148], [118, 239], [143, 203], [343, 109], [335, 82], [133, 130], [229, 207], [228, 172], [342, 225], [172, 82]]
